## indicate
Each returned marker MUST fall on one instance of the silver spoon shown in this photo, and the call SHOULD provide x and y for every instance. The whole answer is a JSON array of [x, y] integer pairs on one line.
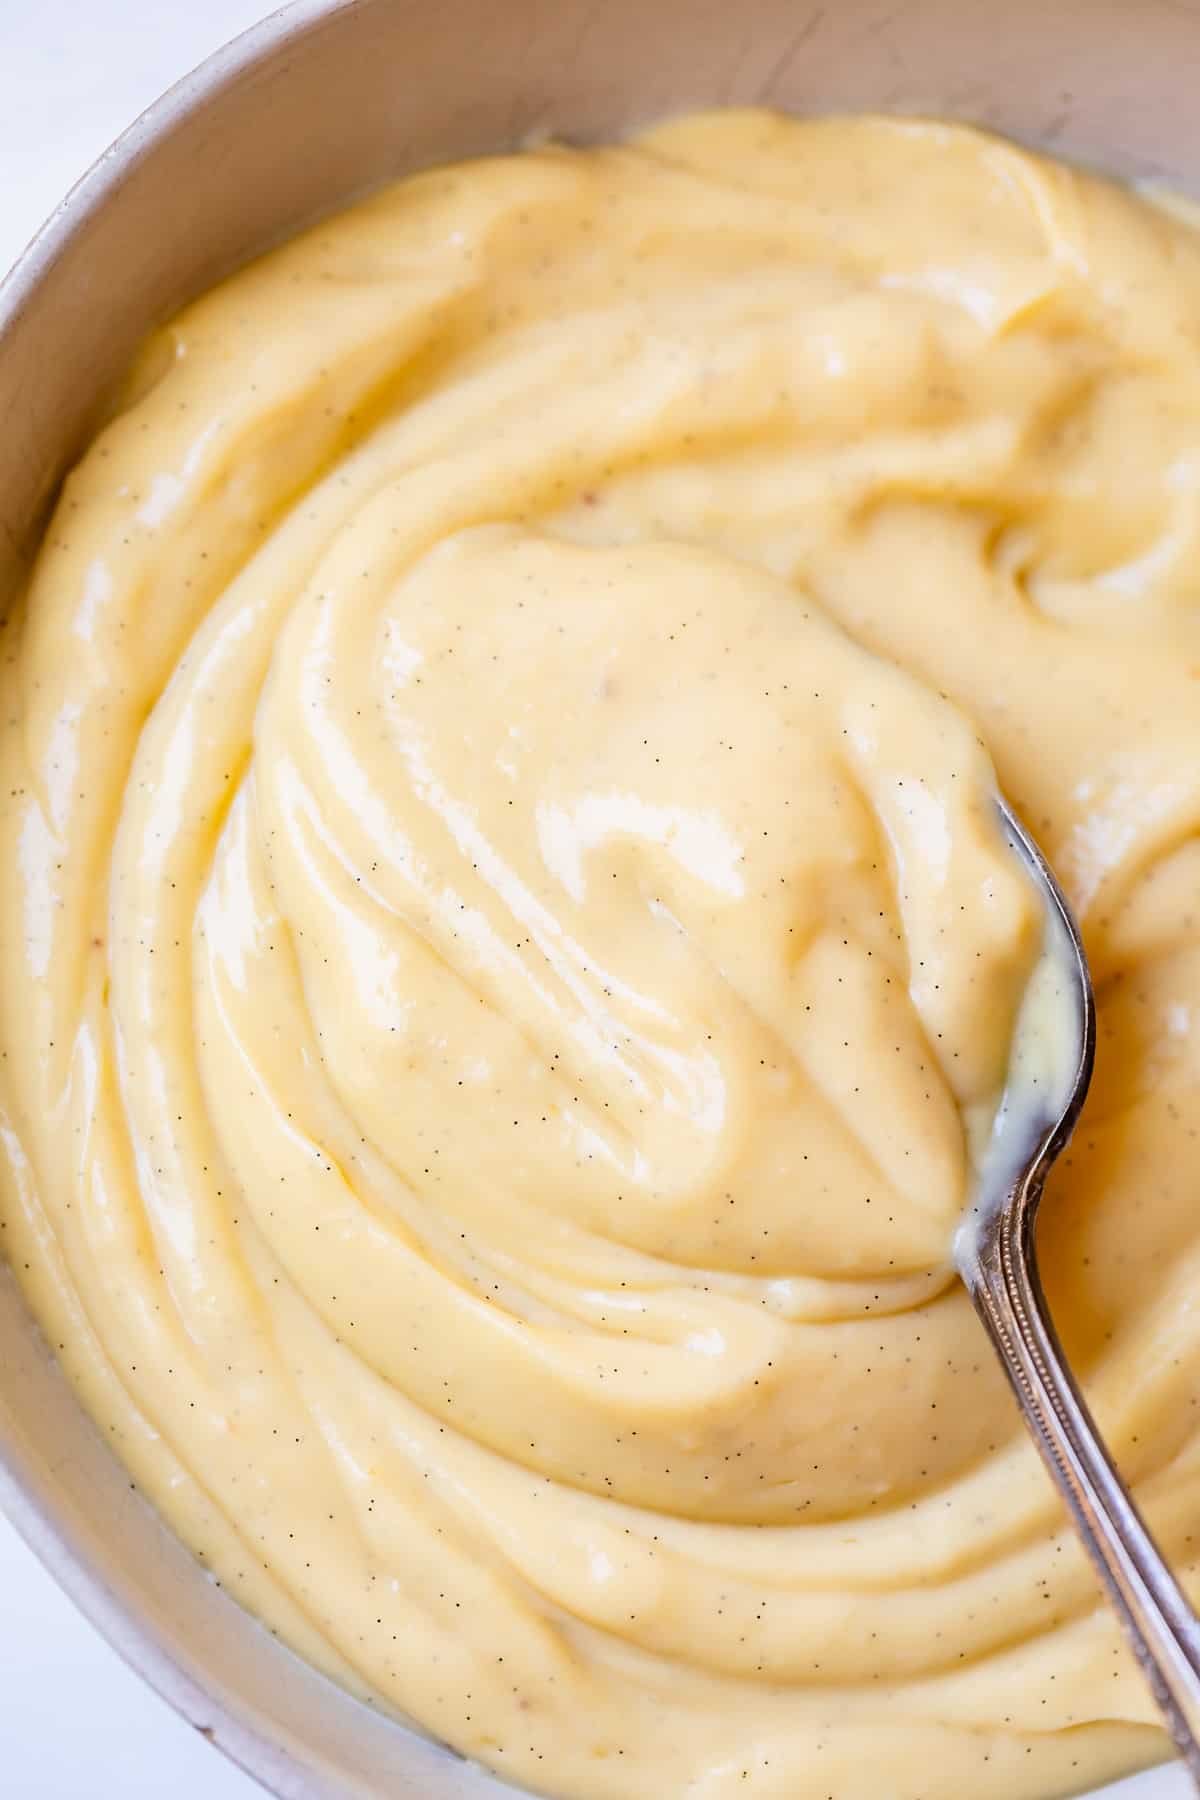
[[996, 1257]]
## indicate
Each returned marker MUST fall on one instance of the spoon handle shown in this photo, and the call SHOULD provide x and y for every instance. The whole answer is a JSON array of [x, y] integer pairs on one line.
[[1162, 1628]]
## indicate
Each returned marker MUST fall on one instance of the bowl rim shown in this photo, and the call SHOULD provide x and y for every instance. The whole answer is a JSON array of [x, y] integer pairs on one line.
[[138, 139], [135, 1638]]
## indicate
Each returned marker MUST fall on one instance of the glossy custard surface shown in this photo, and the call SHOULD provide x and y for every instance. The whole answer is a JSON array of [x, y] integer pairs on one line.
[[504, 944]]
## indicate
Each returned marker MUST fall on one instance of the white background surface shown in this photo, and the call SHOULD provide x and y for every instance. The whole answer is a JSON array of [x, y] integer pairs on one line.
[[75, 1723]]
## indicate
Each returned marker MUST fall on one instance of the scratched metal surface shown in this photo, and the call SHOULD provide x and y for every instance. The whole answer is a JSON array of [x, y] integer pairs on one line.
[[318, 105]]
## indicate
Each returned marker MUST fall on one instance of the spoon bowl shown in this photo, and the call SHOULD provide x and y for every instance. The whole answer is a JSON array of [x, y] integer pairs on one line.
[[996, 1255]]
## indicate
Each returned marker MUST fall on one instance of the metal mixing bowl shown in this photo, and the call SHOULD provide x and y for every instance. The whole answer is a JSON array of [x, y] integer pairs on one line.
[[322, 100]]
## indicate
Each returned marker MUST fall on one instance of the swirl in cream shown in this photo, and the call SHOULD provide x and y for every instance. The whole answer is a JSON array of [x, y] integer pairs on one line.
[[506, 944]]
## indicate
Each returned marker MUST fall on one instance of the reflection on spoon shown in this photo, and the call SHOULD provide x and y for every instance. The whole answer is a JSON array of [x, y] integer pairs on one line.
[[995, 1254]]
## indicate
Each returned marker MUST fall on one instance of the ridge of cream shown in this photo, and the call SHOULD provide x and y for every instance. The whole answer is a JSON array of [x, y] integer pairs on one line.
[[515, 650]]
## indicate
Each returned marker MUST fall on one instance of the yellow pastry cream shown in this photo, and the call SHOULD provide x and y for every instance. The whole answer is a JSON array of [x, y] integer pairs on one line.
[[505, 945]]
